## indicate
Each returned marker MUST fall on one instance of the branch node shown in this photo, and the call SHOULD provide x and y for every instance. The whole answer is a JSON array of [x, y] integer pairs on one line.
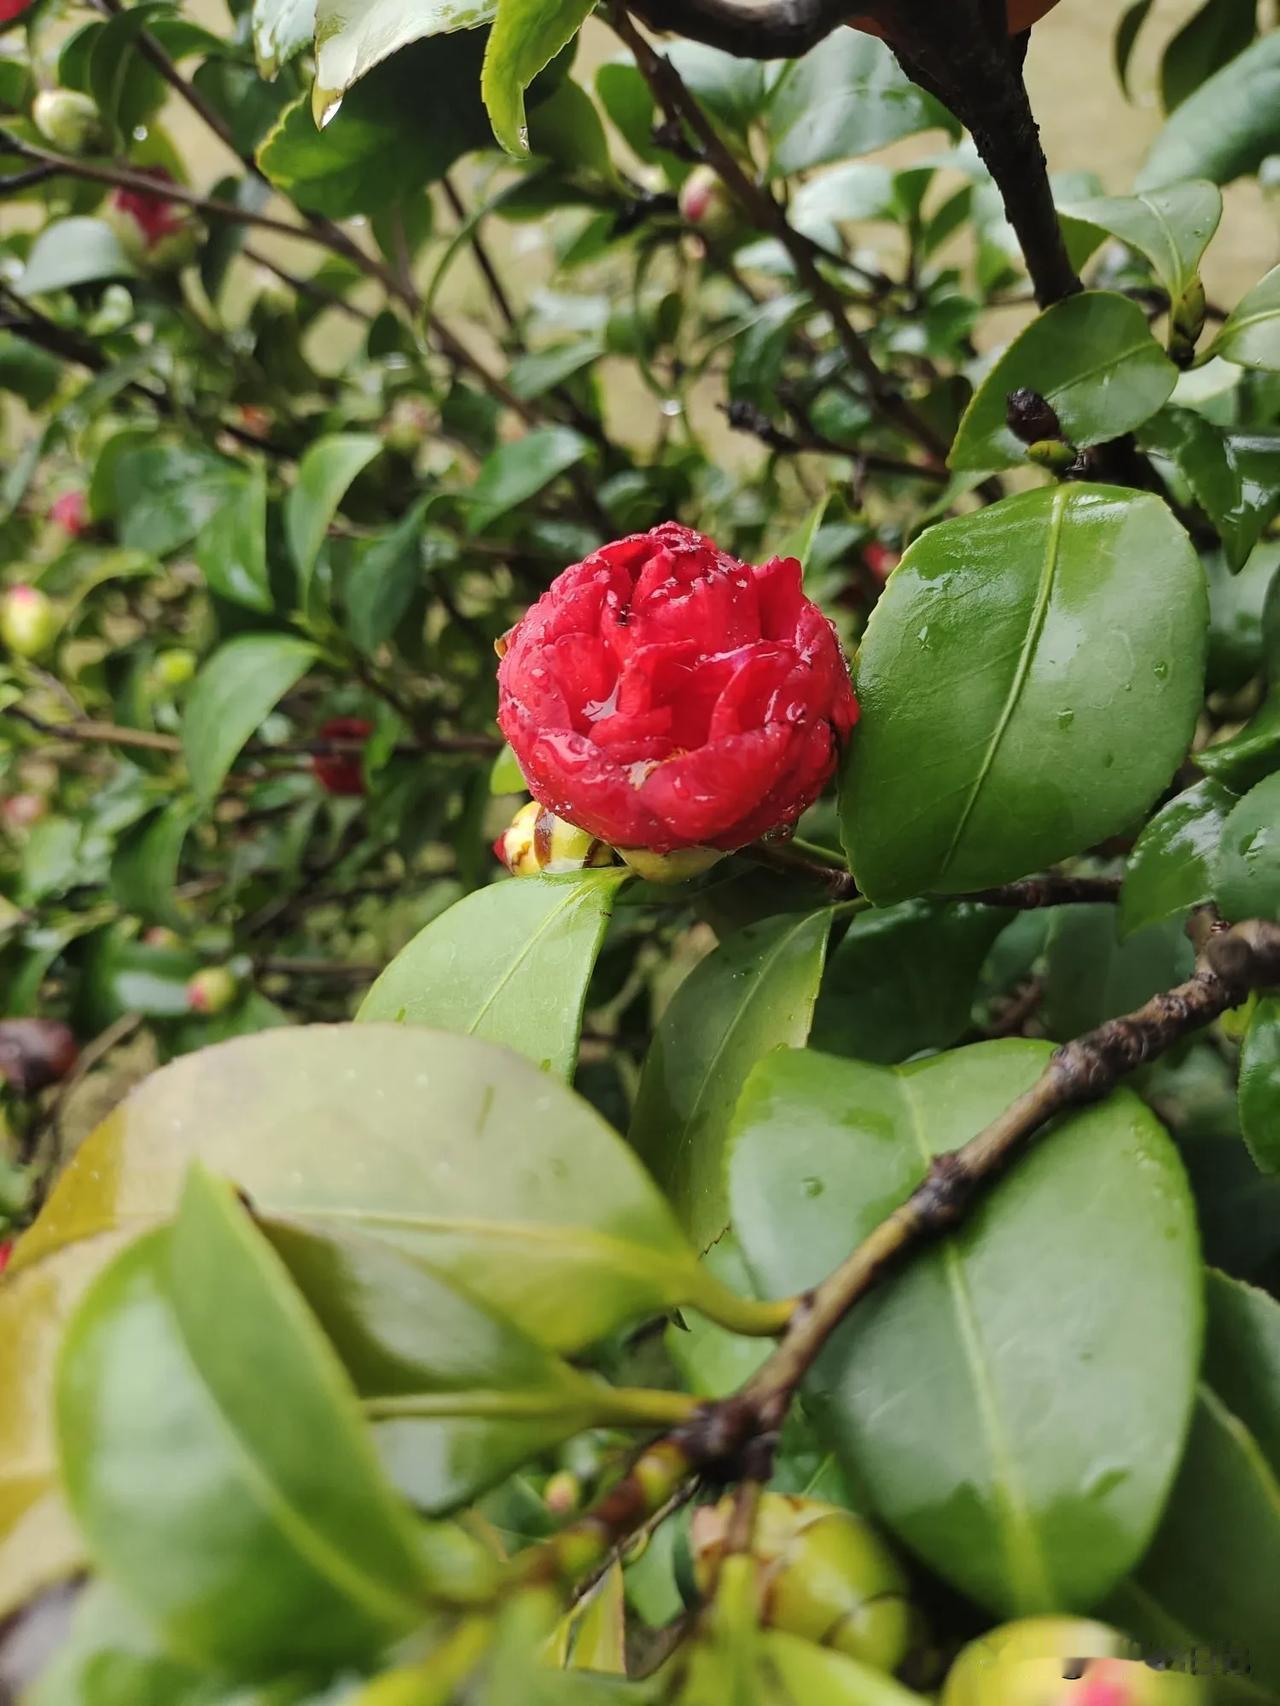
[[939, 1202]]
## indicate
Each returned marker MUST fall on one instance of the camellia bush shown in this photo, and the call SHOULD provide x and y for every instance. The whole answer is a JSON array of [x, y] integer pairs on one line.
[[726, 1153]]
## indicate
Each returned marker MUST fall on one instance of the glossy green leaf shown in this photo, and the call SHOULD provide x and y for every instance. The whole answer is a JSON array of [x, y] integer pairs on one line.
[[1251, 335], [903, 980], [324, 474], [1171, 866], [509, 963], [281, 29], [1234, 477], [506, 776], [847, 96], [231, 548], [1092, 975], [352, 36], [1242, 1357], [1226, 128], [164, 495], [990, 744], [1126, 38], [733, 89], [162, 1429], [518, 471], [72, 252], [526, 36], [1170, 227], [1247, 878], [1210, 39], [452, 1150], [458, 1395], [232, 694], [1260, 1086], [755, 993], [1012, 1425], [381, 143], [1209, 1573], [1093, 358], [144, 868], [381, 584], [1249, 755]]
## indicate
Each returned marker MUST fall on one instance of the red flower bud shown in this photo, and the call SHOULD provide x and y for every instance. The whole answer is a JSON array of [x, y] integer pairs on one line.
[[70, 512], [35, 1053], [663, 695], [6, 1250], [881, 559], [212, 991], [155, 215], [11, 9], [341, 773]]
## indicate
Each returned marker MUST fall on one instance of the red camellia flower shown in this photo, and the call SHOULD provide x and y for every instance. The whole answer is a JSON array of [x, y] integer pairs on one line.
[[155, 215], [341, 773], [11, 9], [662, 695]]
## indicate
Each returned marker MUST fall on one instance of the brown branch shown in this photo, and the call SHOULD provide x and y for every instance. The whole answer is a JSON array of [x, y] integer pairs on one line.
[[745, 416], [758, 204], [724, 1440], [779, 30], [89, 731], [1026, 895]]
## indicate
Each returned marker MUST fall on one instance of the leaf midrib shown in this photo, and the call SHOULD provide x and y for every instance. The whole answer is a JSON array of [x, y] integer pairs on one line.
[[1024, 1553], [1022, 670]]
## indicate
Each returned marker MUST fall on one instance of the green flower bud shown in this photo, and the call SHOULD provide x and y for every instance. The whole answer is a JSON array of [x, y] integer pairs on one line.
[[678, 867], [1051, 453], [825, 1575], [29, 621], [538, 841], [1062, 1661], [70, 120], [1186, 322], [212, 991], [175, 667], [562, 1493]]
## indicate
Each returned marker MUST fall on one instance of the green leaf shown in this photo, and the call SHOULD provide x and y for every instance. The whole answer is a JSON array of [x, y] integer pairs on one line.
[[847, 96], [162, 1429], [1234, 478], [1093, 359], [506, 777], [459, 1396], [732, 89], [232, 694], [1171, 866], [754, 993], [71, 252], [1249, 755], [109, 1639], [1227, 128], [231, 548], [459, 1153], [934, 1391], [1247, 878], [1170, 227], [903, 980], [1091, 975], [509, 963], [386, 144], [28, 372], [1131, 22], [381, 583], [1242, 1357], [324, 474], [281, 29], [352, 36], [518, 471], [1209, 39], [989, 677], [163, 495], [526, 36], [144, 868], [1250, 335], [1260, 1086]]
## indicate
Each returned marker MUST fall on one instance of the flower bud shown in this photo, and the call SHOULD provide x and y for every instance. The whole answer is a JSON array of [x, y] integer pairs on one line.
[[1062, 1661], [706, 204], [1030, 417], [538, 841], [35, 1053], [342, 773], [70, 512], [212, 991], [881, 559], [6, 1250], [678, 867], [1186, 322], [157, 232], [174, 667], [29, 621], [563, 1493], [20, 811], [70, 120], [824, 1575], [1053, 454]]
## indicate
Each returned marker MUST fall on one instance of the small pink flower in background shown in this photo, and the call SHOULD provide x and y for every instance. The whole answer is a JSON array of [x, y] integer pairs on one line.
[[156, 216], [70, 512]]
